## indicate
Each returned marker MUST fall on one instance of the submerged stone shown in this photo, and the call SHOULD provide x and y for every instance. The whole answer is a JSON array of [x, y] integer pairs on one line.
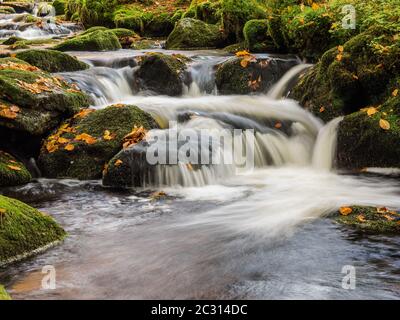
[[24, 230]]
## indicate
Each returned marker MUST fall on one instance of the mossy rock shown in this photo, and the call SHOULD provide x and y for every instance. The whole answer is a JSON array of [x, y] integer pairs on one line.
[[372, 220], [256, 36], [191, 33], [6, 10], [24, 230], [233, 48], [144, 44], [94, 41], [129, 168], [235, 14], [363, 143], [93, 29], [65, 155], [162, 73], [59, 6], [12, 172], [33, 122], [353, 76], [256, 77], [12, 40], [19, 82], [4, 294], [208, 11], [51, 60]]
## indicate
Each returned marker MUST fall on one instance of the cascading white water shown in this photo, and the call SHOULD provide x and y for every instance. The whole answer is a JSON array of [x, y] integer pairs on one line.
[[278, 90]]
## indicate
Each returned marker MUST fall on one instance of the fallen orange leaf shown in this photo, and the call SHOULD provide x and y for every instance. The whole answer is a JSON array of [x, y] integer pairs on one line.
[[345, 211], [118, 163], [15, 168], [384, 124], [69, 147]]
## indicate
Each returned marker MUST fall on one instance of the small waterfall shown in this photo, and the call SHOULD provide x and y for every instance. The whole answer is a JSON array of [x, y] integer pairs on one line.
[[105, 85], [325, 146], [280, 89], [43, 9]]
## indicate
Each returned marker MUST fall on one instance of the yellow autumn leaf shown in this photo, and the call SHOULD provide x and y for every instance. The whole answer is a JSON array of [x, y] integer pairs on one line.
[[382, 210], [315, 6], [389, 218], [384, 124], [118, 163], [340, 49], [361, 218], [69, 147], [244, 63], [242, 53], [371, 111], [15, 168], [107, 135], [395, 92], [62, 140], [339, 57], [86, 138], [322, 109], [345, 211]]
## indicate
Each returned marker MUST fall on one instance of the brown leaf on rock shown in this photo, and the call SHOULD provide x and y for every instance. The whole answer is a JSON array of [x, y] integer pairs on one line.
[[345, 211], [86, 138], [384, 124], [135, 136], [15, 168]]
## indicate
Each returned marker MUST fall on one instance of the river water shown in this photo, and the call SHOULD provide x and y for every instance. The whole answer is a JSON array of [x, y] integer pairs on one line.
[[262, 234]]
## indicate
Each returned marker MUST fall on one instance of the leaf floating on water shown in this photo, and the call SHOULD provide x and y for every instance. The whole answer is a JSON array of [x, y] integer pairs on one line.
[[278, 125], [15, 168], [118, 163], [345, 211], [384, 124]]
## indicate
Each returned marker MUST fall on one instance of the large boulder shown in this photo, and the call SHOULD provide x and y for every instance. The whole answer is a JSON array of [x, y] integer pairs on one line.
[[84, 144], [191, 33], [353, 76], [163, 74], [370, 137], [24, 230], [51, 60], [32, 103], [12, 172], [100, 40], [247, 74]]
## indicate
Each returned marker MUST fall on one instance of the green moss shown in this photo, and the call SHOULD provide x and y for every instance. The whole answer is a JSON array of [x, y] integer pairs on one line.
[[3, 294], [93, 29], [190, 33], [24, 230], [59, 6], [360, 76], [12, 172], [233, 48], [86, 161], [235, 14], [59, 98], [51, 60], [360, 135], [11, 40], [95, 41], [368, 219], [256, 36], [145, 44], [6, 10]]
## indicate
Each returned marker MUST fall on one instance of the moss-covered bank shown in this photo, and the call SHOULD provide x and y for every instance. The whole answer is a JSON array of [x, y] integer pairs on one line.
[[24, 230]]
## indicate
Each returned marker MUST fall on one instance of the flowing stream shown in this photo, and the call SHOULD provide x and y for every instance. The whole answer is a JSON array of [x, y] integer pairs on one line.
[[263, 234]]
